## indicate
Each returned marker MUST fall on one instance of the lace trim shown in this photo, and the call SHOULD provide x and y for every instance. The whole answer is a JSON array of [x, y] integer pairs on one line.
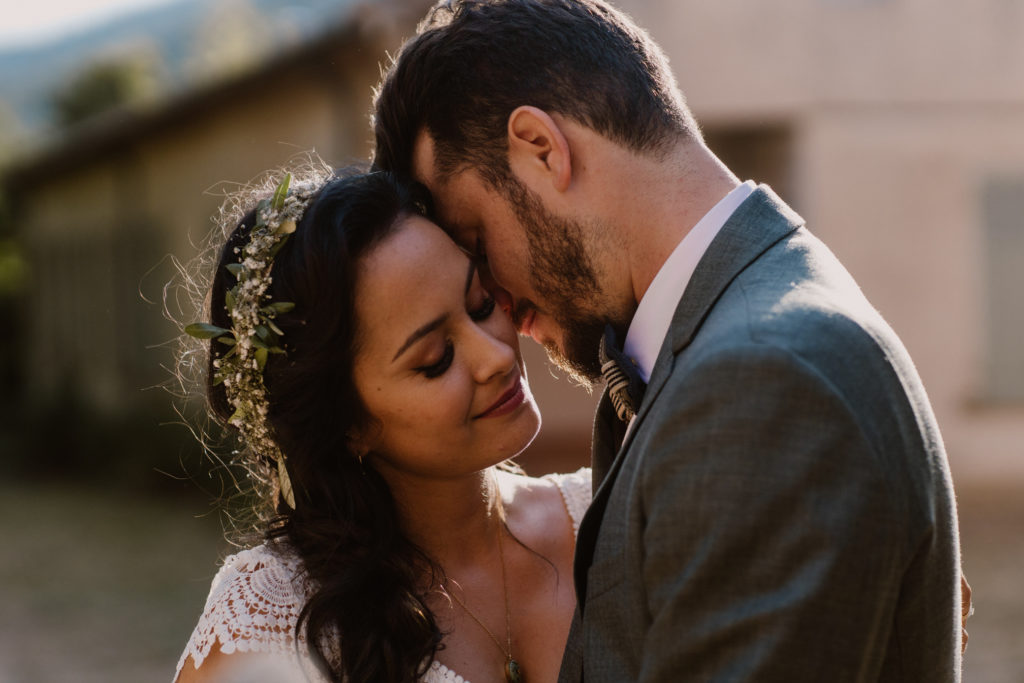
[[439, 673], [253, 606], [576, 489], [256, 597]]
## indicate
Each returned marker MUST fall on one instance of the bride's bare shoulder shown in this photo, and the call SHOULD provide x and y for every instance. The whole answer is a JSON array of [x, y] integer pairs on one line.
[[538, 502], [521, 490]]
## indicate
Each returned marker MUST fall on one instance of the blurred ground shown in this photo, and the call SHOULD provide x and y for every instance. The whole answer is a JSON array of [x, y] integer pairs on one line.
[[96, 586], [102, 587], [992, 540]]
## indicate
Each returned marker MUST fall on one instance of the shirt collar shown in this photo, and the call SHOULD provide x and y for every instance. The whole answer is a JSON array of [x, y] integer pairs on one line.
[[653, 316]]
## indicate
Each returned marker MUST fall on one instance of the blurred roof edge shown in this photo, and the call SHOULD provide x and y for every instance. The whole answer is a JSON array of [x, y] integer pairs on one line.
[[110, 132]]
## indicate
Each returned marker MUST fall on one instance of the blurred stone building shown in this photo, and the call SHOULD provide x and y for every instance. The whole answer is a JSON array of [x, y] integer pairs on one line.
[[895, 128]]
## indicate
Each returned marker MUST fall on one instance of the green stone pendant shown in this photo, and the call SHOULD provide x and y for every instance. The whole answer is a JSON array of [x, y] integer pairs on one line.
[[513, 674]]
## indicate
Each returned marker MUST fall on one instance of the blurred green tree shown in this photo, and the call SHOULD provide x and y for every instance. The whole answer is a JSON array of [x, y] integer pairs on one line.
[[13, 280], [108, 83], [12, 134]]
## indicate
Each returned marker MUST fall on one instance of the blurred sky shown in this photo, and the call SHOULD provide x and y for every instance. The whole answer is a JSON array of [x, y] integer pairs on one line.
[[27, 22]]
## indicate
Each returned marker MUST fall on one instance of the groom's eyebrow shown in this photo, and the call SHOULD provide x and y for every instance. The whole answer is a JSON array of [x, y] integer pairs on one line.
[[437, 322]]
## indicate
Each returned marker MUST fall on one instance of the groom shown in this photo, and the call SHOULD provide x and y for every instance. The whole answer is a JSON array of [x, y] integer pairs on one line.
[[772, 498]]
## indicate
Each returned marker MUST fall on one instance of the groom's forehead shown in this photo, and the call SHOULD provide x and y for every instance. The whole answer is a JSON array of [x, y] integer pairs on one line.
[[423, 159], [452, 214]]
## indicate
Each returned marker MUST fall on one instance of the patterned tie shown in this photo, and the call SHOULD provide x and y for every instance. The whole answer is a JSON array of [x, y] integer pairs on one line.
[[625, 387]]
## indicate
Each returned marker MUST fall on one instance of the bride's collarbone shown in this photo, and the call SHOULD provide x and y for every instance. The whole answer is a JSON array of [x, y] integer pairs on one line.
[[538, 575]]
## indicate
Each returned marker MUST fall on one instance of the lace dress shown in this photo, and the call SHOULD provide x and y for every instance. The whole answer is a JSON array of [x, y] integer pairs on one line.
[[256, 597]]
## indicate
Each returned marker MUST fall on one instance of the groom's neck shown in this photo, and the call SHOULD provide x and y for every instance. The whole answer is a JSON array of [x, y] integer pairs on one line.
[[672, 193]]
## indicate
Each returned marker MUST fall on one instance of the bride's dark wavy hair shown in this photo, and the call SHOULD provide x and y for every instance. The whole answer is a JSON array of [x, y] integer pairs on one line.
[[366, 619]]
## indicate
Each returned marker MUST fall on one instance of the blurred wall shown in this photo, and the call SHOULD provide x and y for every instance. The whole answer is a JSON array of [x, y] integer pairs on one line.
[[101, 211], [896, 128]]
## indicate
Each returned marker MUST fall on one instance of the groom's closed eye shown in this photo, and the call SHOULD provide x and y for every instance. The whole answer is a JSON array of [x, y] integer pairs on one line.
[[480, 252]]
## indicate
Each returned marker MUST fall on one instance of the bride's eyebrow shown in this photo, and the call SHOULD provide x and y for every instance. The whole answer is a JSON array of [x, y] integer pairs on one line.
[[437, 322]]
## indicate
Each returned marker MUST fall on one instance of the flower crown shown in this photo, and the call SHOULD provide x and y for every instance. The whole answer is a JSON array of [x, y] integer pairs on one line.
[[254, 335]]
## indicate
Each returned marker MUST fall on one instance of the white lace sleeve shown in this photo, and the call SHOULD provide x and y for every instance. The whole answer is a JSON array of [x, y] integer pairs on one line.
[[576, 492], [253, 606]]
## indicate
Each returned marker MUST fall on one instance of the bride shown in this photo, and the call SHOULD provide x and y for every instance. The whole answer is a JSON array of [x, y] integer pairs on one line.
[[378, 392]]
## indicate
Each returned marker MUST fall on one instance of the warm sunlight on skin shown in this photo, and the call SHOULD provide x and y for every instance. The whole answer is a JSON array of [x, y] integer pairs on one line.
[[438, 365], [28, 23]]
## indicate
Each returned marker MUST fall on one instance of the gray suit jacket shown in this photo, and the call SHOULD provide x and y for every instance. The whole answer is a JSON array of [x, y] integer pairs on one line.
[[782, 509]]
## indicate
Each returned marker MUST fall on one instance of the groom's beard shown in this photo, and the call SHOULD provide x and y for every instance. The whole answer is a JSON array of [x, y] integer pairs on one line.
[[563, 274], [579, 358]]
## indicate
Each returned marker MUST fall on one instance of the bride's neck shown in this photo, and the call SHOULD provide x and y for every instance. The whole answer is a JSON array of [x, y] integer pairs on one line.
[[454, 521]]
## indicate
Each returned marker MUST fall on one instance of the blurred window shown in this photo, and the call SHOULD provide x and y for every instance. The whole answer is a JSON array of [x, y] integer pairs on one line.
[[1003, 217], [762, 153]]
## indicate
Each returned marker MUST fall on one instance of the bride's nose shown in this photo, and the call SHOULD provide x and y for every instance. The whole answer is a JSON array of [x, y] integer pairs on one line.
[[492, 356]]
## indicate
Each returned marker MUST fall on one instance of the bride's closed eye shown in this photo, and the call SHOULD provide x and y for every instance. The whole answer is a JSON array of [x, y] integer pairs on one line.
[[437, 369]]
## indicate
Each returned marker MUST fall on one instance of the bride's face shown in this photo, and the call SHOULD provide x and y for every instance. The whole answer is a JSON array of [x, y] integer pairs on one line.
[[438, 364]]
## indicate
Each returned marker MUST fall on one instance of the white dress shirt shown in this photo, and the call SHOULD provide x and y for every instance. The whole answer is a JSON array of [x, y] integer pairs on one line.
[[653, 316]]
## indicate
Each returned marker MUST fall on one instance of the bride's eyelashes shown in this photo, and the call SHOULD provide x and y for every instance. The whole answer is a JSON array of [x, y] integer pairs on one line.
[[440, 367], [437, 369]]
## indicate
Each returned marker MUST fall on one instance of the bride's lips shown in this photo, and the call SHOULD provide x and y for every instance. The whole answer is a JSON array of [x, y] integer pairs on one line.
[[507, 402]]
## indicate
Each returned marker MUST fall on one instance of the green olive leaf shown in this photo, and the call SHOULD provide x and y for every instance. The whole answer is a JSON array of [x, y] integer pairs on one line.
[[285, 482], [262, 209], [277, 330], [205, 330], [278, 307], [277, 203], [239, 414], [277, 247]]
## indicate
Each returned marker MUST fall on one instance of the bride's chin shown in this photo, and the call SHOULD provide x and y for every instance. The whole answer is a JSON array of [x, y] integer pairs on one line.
[[531, 422]]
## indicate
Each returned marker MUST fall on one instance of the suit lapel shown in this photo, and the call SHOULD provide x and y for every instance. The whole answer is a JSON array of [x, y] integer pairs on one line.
[[760, 222]]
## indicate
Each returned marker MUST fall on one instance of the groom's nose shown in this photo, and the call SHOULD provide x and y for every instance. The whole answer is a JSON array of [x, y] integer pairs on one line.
[[504, 301], [501, 295]]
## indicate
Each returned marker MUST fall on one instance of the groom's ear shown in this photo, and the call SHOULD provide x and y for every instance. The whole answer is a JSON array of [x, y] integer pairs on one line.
[[537, 148]]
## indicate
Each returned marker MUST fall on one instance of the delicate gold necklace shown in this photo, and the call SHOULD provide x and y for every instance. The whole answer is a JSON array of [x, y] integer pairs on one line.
[[513, 673]]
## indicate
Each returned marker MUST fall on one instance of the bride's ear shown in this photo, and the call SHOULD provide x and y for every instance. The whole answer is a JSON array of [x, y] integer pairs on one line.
[[538, 150], [360, 441]]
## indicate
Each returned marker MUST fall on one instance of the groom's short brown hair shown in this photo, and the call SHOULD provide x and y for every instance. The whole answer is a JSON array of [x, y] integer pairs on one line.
[[473, 62]]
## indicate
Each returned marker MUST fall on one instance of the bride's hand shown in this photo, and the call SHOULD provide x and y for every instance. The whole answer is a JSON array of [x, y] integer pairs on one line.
[[966, 610]]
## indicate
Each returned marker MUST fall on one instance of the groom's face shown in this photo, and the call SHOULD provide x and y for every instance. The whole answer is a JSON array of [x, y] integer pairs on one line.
[[537, 263]]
